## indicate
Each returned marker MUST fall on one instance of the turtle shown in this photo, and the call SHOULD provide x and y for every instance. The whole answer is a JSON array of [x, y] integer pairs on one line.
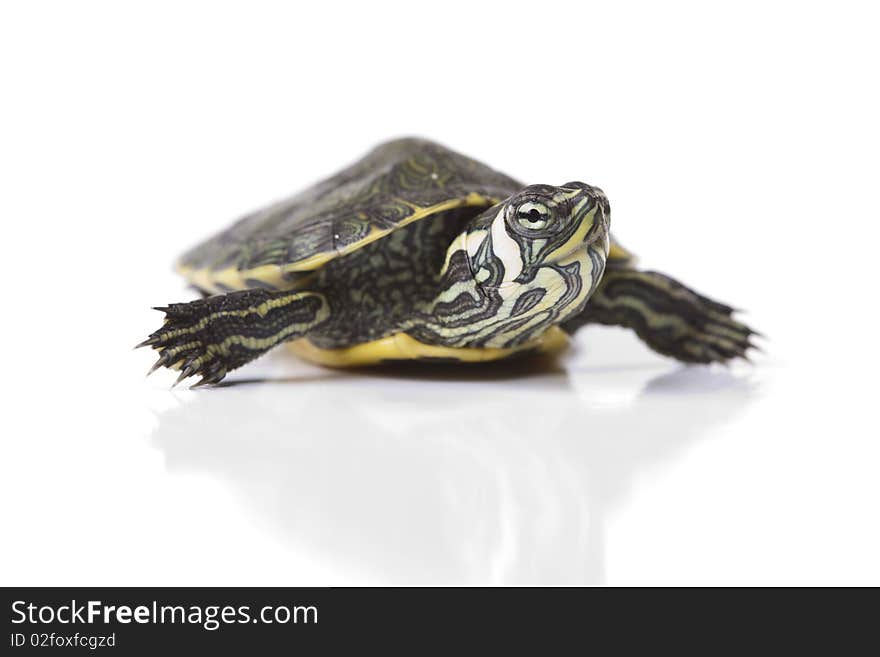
[[417, 252]]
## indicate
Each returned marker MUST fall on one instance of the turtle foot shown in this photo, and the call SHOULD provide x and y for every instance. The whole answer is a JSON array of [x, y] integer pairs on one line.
[[215, 335]]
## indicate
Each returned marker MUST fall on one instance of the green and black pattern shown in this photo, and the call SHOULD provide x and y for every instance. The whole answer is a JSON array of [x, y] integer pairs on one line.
[[376, 193], [416, 239], [212, 336], [491, 306], [670, 318]]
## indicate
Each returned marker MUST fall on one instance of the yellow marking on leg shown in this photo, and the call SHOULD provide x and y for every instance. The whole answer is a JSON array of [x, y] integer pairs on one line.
[[171, 351], [401, 346], [261, 344], [261, 309]]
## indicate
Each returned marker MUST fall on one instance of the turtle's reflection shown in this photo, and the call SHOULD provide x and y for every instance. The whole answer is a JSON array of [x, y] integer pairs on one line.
[[485, 482]]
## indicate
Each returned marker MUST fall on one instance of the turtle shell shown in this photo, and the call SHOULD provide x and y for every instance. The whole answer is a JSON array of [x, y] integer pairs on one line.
[[397, 183]]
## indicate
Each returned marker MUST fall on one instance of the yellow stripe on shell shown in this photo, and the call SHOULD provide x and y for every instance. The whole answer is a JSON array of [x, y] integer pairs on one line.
[[233, 278]]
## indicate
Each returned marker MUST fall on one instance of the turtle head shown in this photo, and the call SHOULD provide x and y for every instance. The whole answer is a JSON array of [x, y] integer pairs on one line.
[[523, 265], [541, 226]]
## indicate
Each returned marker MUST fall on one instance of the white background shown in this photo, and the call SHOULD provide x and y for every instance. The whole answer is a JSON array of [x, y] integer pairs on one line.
[[739, 148]]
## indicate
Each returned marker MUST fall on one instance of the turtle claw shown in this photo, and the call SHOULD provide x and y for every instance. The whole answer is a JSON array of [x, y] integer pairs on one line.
[[159, 363], [185, 373], [210, 376], [751, 346], [717, 337], [181, 345], [215, 335]]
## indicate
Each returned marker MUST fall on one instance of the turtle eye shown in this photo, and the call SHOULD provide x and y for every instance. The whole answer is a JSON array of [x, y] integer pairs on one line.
[[533, 216]]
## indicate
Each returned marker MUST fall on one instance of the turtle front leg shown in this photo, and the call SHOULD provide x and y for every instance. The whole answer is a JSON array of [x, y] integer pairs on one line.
[[670, 318], [212, 336]]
